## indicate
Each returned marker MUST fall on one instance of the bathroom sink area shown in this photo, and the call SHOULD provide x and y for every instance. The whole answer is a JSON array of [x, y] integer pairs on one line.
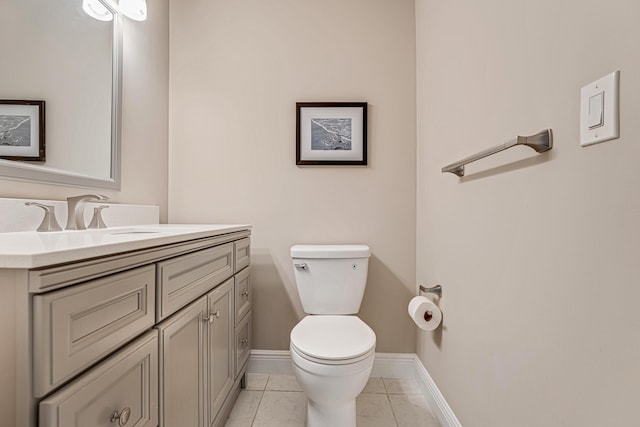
[[31, 249]]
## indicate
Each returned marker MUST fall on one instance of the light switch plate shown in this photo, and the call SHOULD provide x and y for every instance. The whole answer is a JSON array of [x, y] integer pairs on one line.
[[594, 110]]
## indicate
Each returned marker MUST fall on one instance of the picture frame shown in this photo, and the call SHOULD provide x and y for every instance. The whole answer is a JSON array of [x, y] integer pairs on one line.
[[22, 130], [331, 133]]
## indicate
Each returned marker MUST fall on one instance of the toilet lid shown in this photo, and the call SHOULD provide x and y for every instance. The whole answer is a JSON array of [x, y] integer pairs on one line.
[[333, 337]]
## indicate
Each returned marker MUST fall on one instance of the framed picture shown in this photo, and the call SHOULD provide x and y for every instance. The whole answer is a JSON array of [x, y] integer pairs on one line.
[[22, 130], [331, 133]]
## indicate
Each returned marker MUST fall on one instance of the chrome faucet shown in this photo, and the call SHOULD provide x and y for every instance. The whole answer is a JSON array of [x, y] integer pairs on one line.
[[75, 210]]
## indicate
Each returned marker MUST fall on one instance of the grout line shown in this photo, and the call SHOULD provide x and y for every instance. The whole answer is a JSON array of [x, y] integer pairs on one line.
[[384, 385], [393, 414], [255, 414]]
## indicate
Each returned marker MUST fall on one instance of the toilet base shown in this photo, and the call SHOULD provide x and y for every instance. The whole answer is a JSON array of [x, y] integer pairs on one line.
[[331, 415]]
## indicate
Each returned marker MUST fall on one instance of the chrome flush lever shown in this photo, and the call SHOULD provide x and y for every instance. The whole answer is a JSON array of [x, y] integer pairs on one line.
[[301, 266]]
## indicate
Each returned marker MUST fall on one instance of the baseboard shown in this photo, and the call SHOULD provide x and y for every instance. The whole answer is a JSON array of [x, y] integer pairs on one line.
[[437, 402], [387, 365], [276, 362]]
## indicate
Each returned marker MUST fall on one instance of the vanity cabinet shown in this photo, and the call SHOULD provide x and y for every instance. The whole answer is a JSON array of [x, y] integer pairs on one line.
[[157, 336]]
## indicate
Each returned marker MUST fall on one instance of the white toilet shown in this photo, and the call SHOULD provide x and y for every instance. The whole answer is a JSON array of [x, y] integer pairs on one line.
[[332, 349]]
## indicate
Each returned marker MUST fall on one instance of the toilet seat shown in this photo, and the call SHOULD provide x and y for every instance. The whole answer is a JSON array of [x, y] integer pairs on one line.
[[333, 339]]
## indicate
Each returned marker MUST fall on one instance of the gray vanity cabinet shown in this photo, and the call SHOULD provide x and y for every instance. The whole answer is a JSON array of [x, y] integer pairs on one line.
[[156, 336]]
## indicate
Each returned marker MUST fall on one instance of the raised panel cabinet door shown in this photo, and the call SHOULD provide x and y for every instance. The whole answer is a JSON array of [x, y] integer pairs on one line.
[[243, 343], [184, 278], [220, 347], [243, 294], [182, 367], [77, 326], [243, 253], [123, 390]]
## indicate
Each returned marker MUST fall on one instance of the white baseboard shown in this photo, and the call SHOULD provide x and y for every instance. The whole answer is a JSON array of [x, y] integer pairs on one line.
[[277, 362], [387, 365]]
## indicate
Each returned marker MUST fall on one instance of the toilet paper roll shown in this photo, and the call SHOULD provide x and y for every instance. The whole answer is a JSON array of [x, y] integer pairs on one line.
[[425, 313]]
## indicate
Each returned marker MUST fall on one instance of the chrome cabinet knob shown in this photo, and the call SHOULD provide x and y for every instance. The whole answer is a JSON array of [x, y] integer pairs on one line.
[[245, 293], [244, 341], [121, 417]]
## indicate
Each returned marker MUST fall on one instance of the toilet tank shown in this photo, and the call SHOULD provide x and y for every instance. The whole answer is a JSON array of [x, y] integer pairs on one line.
[[330, 278]]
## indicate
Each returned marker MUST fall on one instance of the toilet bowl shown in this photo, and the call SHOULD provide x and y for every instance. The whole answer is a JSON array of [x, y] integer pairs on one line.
[[332, 350], [332, 358]]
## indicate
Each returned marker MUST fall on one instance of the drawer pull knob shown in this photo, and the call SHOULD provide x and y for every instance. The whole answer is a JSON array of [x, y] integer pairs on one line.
[[121, 417], [244, 341], [211, 317], [245, 293]]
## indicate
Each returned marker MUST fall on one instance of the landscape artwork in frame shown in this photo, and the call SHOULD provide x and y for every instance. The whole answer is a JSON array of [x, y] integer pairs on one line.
[[22, 130], [331, 133]]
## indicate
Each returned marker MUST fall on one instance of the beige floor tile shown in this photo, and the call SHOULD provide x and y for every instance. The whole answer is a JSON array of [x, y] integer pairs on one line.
[[283, 383], [412, 411], [245, 409], [281, 409], [401, 386], [374, 410], [374, 385], [257, 381]]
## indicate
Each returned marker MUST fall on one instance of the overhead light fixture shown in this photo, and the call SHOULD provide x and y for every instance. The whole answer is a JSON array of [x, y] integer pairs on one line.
[[134, 9], [97, 10]]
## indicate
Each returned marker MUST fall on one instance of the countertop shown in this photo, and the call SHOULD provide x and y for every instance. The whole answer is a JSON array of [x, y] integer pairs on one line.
[[31, 249]]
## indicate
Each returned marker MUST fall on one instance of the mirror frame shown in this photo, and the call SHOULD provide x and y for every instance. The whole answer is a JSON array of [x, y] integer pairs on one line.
[[43, 174]]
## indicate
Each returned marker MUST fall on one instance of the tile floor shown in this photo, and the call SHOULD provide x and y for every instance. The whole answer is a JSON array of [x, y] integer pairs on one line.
[[278, 401]]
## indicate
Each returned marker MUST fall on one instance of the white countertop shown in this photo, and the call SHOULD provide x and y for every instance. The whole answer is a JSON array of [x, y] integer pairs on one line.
[[31, 249]]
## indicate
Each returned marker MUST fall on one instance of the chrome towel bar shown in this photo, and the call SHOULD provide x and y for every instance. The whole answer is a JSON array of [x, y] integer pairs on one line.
[[541, 142]]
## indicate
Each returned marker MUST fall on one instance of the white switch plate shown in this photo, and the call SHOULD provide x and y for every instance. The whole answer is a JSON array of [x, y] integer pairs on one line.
[[609, 86]]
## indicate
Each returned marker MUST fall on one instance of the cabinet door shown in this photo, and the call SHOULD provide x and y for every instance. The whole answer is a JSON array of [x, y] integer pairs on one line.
[[77, 326], [123, 390], [183, 278], [182, 369], [243, 343], [243, 253], [243, 294], [220, 346]]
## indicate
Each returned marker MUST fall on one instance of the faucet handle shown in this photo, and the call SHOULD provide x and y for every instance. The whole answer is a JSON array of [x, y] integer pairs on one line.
[[97, 221], [49, 222]]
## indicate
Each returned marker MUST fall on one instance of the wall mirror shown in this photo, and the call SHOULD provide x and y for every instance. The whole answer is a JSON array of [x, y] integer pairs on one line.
[[54, 52]]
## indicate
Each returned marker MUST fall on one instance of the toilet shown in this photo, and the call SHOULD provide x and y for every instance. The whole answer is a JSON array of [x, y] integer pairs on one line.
[[332, 350]]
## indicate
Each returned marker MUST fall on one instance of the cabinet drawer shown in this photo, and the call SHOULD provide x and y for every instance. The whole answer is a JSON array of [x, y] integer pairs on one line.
[[243, 343], [125, 385], [184, 278], [77, 326], [243, 253], [243, 294]]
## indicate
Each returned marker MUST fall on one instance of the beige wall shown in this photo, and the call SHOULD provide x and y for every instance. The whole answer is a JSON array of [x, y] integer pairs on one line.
[[538, 257], [144, 120], [237, 70]]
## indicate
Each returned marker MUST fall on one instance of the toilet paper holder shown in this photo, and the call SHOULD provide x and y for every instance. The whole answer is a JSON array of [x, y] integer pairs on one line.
[[437, 289]]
